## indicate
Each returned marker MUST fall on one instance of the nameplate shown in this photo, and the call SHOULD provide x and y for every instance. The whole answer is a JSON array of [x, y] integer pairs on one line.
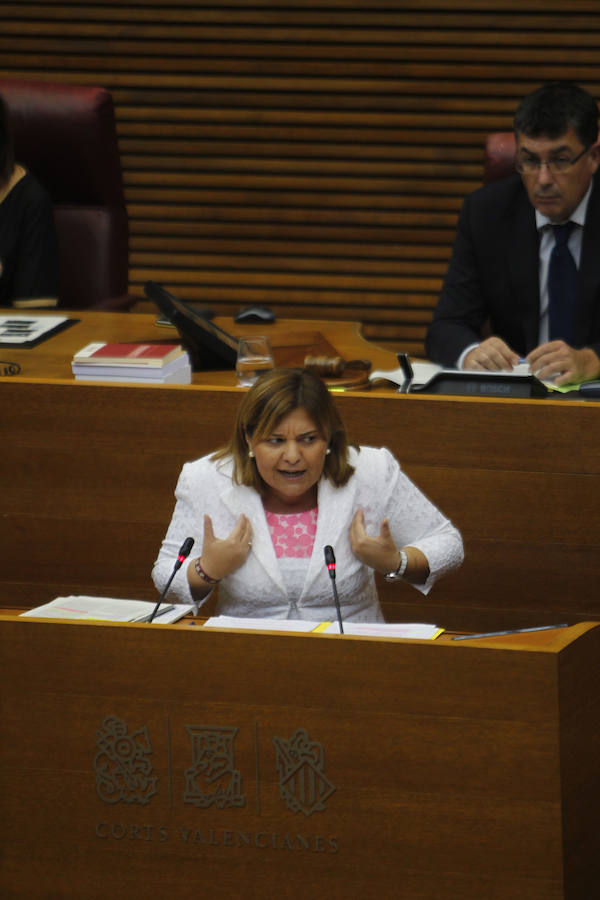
[[483, 384]]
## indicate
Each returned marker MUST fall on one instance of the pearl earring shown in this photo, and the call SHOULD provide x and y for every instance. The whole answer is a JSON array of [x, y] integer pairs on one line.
[[251, 454], [328, 451]]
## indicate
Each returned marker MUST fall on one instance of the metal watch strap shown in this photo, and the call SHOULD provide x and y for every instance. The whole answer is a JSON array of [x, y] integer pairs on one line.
[[398, 574]]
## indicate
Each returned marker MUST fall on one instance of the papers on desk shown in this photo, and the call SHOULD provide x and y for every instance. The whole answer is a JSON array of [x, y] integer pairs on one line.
[[21, 330], [413, 630], [260, 624], [418, 631], [108, 609], [425, 371], [431, 378]]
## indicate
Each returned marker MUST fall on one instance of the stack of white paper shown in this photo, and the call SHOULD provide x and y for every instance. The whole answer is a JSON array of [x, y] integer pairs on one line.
[[260, 624], [108, 609], [414, 630]]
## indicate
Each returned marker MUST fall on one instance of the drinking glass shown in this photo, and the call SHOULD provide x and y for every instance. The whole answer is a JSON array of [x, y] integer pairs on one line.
[[254, 357]]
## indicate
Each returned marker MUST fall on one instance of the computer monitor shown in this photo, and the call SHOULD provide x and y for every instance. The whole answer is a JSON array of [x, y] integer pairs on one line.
[[209, 346]]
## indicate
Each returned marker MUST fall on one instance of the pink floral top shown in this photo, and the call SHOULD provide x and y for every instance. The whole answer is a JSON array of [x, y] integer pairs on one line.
[[293, 534]]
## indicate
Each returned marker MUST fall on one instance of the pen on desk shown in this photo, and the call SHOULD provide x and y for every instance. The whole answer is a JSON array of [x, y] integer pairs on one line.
[[470, 637]]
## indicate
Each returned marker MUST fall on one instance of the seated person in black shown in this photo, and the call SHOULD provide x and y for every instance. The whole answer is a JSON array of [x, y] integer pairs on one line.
[[28, 242], [524, 278]]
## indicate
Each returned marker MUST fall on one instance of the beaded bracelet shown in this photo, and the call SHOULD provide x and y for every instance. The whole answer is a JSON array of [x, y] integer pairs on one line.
[[200, 571]]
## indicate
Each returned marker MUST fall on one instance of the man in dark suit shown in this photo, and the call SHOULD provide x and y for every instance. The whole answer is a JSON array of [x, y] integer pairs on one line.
[[516, 286]]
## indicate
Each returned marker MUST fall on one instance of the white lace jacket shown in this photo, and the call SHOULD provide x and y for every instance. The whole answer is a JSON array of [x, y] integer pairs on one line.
[[257, 590]]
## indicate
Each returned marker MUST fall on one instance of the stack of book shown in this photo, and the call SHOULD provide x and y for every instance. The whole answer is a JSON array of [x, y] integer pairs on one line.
[[144, 363]]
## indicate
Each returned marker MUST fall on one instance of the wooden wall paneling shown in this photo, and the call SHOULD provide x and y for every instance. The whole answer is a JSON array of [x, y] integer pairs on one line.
[[309, 156]]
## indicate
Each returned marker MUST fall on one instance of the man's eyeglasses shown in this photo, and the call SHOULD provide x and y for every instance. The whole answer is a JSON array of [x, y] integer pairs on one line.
[[531, 165]]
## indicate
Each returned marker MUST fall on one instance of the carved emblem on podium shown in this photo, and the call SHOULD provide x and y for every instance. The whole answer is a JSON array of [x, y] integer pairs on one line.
[[213, 779], [303, 784], [122, 764]]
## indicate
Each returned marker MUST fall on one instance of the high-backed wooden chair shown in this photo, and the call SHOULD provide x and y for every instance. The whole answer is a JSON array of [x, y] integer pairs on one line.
[[66, 135]]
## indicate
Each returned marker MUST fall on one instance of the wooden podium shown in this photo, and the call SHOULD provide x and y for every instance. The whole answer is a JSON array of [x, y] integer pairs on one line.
[[175, 761]]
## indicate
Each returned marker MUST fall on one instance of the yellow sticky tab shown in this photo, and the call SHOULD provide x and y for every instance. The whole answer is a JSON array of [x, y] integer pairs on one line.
[[322, 626]]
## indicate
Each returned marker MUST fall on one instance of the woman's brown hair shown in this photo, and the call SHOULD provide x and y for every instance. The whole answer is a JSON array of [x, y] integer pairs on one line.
[[273, 396]]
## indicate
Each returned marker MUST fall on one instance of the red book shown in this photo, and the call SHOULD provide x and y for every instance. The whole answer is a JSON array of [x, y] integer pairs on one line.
[[155, 355]]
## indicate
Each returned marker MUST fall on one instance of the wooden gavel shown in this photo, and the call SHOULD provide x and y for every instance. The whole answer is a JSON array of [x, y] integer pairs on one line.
[[333, 366]]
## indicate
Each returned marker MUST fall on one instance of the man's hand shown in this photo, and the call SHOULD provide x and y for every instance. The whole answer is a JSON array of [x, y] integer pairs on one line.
[[568, 365], [492, 355]]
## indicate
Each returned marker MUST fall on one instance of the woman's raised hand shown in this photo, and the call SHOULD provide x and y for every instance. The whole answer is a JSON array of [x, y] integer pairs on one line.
[[222, 556], [378, 552], [381, 553]]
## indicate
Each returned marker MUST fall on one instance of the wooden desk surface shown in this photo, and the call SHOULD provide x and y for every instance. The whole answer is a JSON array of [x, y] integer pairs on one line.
[[89, 472], [547, 640], [52, 358]]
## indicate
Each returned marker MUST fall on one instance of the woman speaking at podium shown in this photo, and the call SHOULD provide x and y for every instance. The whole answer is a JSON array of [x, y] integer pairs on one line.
[[287, 484]]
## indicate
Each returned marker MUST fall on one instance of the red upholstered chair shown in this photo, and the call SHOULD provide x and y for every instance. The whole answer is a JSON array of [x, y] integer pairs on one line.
[[65, 134], [499, 160]]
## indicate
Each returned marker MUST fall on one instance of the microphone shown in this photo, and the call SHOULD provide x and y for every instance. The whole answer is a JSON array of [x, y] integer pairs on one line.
[[184, 552], [407, 371], [330, 563]]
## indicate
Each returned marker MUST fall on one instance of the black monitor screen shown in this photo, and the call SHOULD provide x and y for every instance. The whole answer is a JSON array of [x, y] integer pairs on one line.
[[209, 346]]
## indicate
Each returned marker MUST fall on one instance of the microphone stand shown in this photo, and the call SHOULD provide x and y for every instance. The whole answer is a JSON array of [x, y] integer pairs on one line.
[[330, 563], [184, 552], [407, 371]]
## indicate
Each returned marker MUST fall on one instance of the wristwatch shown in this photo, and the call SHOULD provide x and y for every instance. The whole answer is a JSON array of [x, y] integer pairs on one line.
[[397, 575]]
